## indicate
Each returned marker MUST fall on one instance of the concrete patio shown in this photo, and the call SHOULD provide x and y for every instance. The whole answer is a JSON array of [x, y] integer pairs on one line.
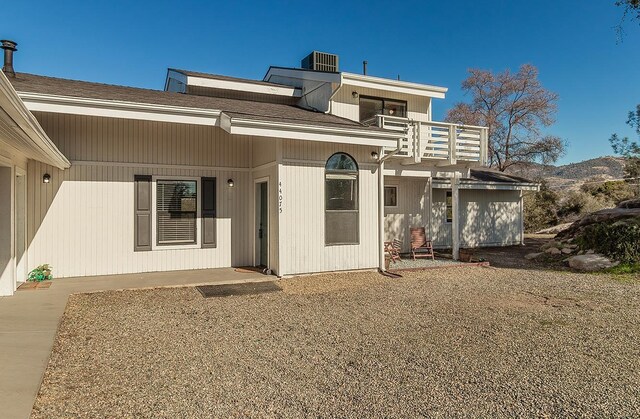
[[30, 321]]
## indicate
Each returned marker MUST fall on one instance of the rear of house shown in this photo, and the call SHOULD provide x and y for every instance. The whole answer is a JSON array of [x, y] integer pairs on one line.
[[310, 169]]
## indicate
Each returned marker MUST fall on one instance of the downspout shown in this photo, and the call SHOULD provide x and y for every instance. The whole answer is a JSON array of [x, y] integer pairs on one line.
[[381, 160]]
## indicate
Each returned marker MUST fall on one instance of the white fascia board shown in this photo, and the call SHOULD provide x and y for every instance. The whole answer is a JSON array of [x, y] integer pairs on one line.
[[258, 128], [302, 74], [37, 140], [119, 109], [395, 86], [479, 185], [243, 87]]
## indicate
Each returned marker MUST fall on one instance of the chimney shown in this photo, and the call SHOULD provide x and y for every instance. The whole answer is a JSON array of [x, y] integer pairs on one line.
[[8, 47], [364, 68]]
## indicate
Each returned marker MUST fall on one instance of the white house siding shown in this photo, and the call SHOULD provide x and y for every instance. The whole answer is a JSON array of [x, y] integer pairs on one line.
[[487, 218], [346, 106], [82, 222], [301, 225], [412, 210]]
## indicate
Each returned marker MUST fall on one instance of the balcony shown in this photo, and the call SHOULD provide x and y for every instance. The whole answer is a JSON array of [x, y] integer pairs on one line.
[[438, 142]]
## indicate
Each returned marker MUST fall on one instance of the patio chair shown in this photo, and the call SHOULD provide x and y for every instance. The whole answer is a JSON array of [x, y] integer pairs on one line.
[[393, 249], [421, 247]]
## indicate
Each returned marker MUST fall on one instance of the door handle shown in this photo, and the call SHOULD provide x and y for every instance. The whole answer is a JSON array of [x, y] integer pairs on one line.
[[259, 233]]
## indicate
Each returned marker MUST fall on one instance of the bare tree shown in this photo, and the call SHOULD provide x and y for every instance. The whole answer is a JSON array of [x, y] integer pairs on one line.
[[515, 107]]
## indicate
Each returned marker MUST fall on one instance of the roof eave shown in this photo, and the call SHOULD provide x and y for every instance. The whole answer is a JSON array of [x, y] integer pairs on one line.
[[38, 145]]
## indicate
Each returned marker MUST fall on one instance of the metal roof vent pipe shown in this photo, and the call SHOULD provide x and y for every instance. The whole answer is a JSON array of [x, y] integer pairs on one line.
[[8, 47], [364, 68]]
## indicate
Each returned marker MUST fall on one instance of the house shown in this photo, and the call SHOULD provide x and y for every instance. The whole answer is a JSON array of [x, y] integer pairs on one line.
[[310, 169]]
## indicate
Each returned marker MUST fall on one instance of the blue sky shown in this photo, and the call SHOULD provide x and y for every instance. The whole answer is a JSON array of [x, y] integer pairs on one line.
[[573, 43]]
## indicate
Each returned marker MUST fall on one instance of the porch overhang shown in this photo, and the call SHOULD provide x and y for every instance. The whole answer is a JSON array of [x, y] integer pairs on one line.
[[21, 132], [209, 117], [119, 109], [260, 128]]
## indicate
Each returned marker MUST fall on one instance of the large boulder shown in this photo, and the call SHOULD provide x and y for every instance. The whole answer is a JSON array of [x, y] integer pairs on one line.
[[629, 204], [591, 262], [609, 215]]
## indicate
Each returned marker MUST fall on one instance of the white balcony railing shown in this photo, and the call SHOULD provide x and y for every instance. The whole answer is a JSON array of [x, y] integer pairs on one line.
[[440, 141]]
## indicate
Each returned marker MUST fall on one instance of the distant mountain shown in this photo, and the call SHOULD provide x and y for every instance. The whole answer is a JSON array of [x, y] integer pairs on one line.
[[572, 176]]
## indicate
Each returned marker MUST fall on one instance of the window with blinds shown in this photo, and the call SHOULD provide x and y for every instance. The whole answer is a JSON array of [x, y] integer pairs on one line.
[[176, 211]]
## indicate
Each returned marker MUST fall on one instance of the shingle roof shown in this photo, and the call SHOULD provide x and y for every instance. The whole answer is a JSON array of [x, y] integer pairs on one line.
[[487, 175], [226, 78], [264, 111]]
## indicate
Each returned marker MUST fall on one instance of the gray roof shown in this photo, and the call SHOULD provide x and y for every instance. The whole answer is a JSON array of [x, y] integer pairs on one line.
[[488, 175], [226, 78], [264, 111]]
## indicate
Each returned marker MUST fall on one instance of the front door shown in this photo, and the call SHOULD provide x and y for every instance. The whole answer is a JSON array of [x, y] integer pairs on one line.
[[262, 226]]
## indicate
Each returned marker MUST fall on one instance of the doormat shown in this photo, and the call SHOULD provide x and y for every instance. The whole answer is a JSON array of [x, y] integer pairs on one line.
[[228, 290], [249, 269], [33, 285]]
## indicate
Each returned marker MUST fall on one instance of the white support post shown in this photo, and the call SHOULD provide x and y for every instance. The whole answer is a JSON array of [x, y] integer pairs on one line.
[[452, 144], [521, 218], [381, 264], [428, 193], [455, 221], [484, 146]]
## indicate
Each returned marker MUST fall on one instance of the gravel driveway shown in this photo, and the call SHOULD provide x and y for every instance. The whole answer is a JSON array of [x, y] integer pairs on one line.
[[478, 342]]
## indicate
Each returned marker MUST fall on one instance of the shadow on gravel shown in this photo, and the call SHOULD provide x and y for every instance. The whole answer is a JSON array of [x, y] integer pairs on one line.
[[229, 290], [513, 256]]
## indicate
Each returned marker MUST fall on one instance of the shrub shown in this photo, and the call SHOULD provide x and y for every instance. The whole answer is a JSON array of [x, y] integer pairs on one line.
[[611, 191], [619, 240], [540, 209], [578, 204], [41, 273]]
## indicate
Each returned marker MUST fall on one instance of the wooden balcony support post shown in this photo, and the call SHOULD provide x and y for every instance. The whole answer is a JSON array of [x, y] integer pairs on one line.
[[484, 146], [455, 219], [452, 144]]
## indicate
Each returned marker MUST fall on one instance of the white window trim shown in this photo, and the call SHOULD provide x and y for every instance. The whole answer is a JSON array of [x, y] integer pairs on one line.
[[154, 214], [397, 191]]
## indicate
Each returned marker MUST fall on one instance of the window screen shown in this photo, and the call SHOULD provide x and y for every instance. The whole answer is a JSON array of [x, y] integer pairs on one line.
[[176, 210], [390, 196], [341, 200]]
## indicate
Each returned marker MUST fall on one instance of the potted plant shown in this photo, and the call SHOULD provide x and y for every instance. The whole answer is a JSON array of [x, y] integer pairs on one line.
[[466, 255], [41, 273]]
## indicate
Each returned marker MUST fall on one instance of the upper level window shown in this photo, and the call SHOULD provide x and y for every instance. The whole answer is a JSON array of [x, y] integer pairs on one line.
[[341, 200], [370, 107]]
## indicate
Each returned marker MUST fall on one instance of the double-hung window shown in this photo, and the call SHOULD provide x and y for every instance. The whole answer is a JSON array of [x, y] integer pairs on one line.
[[176, 212], [342, 222]]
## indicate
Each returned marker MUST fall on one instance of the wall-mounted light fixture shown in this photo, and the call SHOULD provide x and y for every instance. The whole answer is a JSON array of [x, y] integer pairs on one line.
[[230, 183], [374, 155], [46, 178], [354, 94]]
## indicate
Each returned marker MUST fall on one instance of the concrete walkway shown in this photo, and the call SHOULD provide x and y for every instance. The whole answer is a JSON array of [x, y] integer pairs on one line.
[[29, 322]]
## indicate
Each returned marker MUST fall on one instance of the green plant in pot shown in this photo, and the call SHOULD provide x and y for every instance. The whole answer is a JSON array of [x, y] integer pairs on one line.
[[41, 273]]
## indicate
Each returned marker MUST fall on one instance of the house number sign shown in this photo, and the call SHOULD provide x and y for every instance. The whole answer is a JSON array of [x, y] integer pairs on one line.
[[280, 197]]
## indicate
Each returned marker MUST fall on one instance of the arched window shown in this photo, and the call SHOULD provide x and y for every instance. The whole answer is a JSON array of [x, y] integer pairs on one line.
[[341, 200]]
